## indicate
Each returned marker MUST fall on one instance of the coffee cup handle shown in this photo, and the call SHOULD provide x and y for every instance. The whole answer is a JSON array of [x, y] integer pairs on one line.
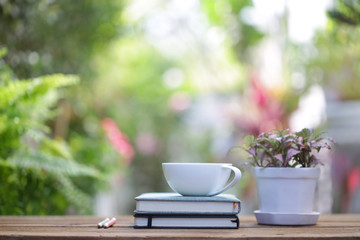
[[236, 179]]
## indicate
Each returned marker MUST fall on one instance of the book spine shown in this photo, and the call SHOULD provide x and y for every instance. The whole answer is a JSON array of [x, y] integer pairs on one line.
[[151, 216]]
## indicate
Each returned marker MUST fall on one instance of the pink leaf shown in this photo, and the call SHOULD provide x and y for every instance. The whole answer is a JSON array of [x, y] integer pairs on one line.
[[279, 157], [252, 151], [290, 153]]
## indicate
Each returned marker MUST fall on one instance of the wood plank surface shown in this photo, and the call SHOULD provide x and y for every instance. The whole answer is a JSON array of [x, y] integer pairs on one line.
[[84, 227]]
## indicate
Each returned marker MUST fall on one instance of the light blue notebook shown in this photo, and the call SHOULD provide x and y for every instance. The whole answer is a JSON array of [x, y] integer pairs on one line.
[[173, 203]]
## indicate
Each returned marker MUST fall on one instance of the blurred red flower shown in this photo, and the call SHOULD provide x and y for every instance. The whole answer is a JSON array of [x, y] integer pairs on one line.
[[353, 180], [118, 140]]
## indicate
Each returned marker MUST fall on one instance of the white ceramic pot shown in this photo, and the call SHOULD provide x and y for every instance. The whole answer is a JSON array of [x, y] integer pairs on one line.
[[286, 190]]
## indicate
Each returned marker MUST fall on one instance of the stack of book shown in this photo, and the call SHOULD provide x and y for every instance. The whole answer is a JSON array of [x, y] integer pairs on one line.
[[172, 210]]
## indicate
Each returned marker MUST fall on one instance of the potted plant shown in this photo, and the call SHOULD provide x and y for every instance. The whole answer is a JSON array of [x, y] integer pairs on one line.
[[286, 175]]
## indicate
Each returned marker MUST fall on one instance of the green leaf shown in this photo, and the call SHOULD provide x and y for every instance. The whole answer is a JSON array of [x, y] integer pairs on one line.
[[304, 133], [280, 132], [73, 194], [57, 148], [24, 90], [249, 140], [53, 164], [3, 52], [316, 135]]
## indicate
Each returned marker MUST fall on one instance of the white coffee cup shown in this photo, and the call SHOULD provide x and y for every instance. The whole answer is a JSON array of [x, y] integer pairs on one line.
[[200, 179]]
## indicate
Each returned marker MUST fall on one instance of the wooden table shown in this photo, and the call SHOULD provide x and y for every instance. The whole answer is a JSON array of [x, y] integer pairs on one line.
[[83, 227]]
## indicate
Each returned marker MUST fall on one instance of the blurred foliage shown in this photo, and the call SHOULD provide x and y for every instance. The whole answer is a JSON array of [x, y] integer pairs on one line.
[[56, 36], [36, 171], [227, 14], [333, 61], [140, 104], [346, 11], [71, 155]]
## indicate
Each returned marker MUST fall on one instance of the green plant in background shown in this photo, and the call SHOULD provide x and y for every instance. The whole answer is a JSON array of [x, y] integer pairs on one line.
[[332, 60], [44, 37], [227, 15], [346, 11], [133, 93], [37, 173]]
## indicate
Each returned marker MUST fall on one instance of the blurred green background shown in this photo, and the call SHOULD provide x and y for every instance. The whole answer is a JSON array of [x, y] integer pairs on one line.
[[95, 95]]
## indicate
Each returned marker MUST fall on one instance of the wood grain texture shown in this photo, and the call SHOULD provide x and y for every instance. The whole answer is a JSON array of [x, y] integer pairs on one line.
[[85, 227]]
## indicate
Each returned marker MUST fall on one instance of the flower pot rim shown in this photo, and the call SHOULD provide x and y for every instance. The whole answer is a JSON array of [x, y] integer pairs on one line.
[[280, 172], [285, 167]]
